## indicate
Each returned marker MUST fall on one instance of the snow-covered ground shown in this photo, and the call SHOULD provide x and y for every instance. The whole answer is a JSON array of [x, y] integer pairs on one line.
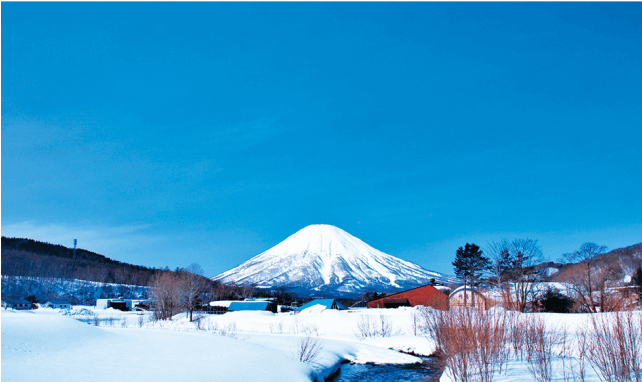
[[47, 344]]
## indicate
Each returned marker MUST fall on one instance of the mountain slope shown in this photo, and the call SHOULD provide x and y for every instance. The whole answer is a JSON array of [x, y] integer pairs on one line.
[[27, 257], [326, 259]]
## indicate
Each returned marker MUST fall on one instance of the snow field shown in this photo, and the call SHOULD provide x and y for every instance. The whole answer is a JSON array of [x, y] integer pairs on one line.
[[237, 346]]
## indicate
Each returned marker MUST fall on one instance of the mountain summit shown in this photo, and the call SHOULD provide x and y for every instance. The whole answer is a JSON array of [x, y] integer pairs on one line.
[[325, 259]]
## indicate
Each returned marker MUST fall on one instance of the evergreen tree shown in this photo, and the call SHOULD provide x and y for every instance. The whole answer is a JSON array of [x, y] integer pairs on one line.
[[469, 265], [636, 280]]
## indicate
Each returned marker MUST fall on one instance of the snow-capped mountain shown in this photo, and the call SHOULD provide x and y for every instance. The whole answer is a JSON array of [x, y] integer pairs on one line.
[[326, 259]]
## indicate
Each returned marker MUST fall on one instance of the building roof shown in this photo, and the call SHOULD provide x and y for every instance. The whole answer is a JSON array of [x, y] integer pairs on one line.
[[402, 293], [326, 302], [249, 305], [224, 303]]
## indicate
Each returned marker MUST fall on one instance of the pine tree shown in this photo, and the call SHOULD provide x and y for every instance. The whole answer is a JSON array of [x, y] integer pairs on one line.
[[636, 280], [469, 265]]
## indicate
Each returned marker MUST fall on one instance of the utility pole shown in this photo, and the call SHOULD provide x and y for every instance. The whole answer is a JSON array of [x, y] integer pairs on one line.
[[73, 263]]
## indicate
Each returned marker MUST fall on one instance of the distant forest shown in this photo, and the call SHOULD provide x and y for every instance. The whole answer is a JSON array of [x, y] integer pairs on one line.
[[43, 271], [31, 258]]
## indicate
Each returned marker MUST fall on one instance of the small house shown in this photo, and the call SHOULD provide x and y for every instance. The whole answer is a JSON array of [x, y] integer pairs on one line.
[[217, 307], [426, 295], [238, 306], [465, 296], [58, 304], [327, 303], [21, 305], [116, 303]]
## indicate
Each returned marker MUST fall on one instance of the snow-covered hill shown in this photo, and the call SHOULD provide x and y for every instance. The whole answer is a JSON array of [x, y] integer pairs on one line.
[[324, 259]]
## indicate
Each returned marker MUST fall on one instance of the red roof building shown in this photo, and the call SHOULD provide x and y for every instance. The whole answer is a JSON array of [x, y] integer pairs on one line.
[[425, 295]]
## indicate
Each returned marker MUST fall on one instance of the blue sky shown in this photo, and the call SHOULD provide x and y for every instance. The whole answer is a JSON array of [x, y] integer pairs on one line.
[[171, 133]]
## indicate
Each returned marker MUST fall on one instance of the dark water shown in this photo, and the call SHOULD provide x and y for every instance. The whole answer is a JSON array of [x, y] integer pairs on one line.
[[425, 371]]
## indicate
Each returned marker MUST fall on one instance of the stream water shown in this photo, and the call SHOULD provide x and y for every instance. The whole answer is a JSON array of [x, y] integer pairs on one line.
[[425, 371]]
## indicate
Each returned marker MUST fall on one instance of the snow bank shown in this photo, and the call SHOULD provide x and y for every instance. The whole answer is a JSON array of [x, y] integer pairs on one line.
[[318, 308]]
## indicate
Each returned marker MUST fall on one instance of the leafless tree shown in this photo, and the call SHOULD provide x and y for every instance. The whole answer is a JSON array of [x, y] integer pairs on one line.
[[165, 292], [191, 285], [500, 259], [513, 266], [526, 254], [592, 279]]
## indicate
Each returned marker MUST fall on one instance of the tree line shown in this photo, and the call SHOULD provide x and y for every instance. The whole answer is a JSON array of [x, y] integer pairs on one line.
[[31, 258], [516, 269]]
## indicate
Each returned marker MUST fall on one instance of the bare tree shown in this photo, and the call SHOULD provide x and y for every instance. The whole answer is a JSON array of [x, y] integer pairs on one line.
[[165, 292], [500, 267], [514, 269], [191, 284], [592, 278], [526, 254]]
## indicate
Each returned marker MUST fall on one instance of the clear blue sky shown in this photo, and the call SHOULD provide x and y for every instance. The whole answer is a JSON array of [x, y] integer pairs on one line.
[[171, 133]]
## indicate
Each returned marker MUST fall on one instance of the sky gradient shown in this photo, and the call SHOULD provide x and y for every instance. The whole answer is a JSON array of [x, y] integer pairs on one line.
[[163, 134]]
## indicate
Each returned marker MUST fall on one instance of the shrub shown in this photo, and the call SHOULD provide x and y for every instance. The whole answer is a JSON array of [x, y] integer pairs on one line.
[[369, 326], [615, 348], [541, 340], [555, 302], [308, 349], [472, 343]]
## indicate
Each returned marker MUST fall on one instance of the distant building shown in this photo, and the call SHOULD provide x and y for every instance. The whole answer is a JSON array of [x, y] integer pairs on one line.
[[58, 304], [122, 304], [465, 296], [237, 306], [426, 295], [21, 305], [217, 307], [328, 303]]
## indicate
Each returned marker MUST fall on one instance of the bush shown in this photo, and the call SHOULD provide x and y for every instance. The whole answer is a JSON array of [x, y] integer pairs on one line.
[[555, 302], [369, 326], [472, 343], [308, 349], [615, 350]]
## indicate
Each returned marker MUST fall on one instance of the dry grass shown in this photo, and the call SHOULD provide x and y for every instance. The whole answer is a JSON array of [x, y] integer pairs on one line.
[[540, 341], [370, 326], [228, 330], [573, 355], [311, 329], [614, 350], [472, 343], [475, 345], [276, 327], [308, 348]]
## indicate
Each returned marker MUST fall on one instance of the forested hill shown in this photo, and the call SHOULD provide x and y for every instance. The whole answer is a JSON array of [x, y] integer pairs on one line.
[[26, 257], [34, 246]]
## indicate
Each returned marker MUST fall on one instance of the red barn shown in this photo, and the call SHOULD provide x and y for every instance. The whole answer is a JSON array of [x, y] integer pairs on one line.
[[426, 295]]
